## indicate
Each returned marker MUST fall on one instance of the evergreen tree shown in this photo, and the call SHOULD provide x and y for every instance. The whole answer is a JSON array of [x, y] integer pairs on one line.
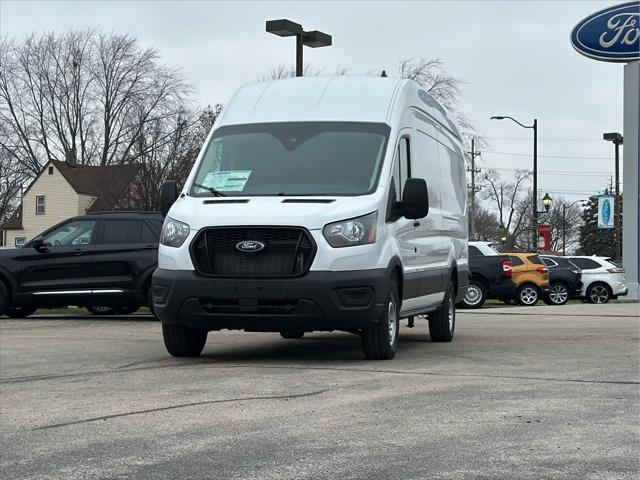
[[594, 240]]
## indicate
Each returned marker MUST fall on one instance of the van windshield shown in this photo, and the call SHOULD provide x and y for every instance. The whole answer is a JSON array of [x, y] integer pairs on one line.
[[298, 158]]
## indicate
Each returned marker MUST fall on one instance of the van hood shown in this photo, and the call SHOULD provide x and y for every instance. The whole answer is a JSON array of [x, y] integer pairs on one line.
[[309, 212]]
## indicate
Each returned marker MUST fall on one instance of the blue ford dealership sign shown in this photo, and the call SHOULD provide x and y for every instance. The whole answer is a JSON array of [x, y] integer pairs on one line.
[[605, 211], [611, 35]]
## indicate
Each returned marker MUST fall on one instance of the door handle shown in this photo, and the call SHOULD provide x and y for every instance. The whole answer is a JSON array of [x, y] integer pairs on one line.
[[78, 252]]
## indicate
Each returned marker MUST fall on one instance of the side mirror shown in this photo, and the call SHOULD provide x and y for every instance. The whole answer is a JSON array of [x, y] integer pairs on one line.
[[168, 195], [415, 199], [38, 245]]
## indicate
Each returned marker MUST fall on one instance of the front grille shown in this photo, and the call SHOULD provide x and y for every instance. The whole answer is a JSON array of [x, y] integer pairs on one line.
[[287, 252]]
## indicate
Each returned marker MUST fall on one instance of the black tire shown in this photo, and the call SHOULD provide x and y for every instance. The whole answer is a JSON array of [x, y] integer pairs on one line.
[[380, 340], [182, 341], [21, 311], [558, 294], [442, 323], [528, 295], [98, 310], [4, 297], [476, 295], [598, 292], [292, 334]]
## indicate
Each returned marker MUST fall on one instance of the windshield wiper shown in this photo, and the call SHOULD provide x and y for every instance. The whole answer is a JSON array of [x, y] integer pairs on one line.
[[216, 193]]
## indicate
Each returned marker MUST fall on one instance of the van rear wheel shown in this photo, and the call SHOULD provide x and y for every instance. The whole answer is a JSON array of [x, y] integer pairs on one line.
[[442, 324], [183, 341], [380, 340]]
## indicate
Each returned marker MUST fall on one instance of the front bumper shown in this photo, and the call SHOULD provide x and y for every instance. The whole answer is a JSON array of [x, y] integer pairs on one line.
[[319, 300]]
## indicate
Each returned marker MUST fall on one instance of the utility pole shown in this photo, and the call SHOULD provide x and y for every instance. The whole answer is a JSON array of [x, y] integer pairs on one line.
[[535, 184], [472, 208]]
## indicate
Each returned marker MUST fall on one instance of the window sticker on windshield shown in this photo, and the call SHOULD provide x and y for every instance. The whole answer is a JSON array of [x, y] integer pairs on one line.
[[227, 180]]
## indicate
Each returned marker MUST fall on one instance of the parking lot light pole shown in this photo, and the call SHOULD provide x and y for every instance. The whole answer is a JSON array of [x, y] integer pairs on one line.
[[617, 140], [535, 171], [313, 39]]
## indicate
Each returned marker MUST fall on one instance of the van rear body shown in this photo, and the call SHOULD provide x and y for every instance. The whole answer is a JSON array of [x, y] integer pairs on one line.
[[307, 210]]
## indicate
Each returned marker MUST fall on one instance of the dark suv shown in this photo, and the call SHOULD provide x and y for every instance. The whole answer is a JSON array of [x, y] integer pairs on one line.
[[565, 280], [102, 261]]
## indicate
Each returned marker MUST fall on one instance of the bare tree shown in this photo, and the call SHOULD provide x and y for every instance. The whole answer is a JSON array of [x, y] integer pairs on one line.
[[82, 95], [570, 225], [287, 71], [134, 91], [506, 199], [177, 144], [487, 226], [12, 179]]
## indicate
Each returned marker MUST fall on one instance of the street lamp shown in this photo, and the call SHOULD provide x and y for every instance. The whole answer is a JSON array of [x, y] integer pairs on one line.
[[617, 140], [535, 170], [313, 39], [547, 202], [564, 224]]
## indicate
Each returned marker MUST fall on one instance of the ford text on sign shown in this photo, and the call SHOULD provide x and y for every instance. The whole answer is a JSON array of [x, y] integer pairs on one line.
[[611, 35]]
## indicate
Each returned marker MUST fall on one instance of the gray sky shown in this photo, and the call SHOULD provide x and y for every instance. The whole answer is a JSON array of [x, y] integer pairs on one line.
[[515, 57]]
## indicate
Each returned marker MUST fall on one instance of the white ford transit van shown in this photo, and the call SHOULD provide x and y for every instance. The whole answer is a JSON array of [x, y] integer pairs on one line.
[[318, 204]]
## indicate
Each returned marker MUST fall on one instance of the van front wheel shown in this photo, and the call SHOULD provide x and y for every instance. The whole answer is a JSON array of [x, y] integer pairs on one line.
[[442, 323], [380, 340], [182, 341]]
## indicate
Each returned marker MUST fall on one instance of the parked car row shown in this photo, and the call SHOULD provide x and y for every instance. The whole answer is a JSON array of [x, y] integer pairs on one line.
[[103, 262], [526, 278]]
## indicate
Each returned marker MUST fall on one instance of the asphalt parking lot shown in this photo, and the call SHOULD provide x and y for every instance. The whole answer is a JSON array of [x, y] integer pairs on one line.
[[521, 393]]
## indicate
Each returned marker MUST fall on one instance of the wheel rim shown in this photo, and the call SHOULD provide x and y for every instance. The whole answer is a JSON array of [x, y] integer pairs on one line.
[[392, 322], [528, 295], [452, 312], [599, 294], [473, 296], [558, 294]]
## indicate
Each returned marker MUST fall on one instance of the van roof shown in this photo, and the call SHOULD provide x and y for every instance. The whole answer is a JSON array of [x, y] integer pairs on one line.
[[339, 98], [330, 99]]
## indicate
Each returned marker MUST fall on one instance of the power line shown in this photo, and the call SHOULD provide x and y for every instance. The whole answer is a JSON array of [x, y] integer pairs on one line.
[[549, 139], [554, 172], [548, 156]]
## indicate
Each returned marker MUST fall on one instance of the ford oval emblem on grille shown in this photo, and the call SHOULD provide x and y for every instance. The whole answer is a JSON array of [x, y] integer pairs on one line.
[[250, 246]]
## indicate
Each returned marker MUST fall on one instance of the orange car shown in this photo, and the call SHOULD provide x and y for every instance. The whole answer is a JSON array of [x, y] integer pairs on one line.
[[531, 277]]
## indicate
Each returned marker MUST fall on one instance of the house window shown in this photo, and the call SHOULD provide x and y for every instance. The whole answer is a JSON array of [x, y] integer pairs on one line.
[[20, 241], [50, 170], [40, 203]]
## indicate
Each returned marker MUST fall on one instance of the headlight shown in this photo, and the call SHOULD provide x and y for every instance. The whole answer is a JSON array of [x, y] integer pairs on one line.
[[355, 231], [174, 233]]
